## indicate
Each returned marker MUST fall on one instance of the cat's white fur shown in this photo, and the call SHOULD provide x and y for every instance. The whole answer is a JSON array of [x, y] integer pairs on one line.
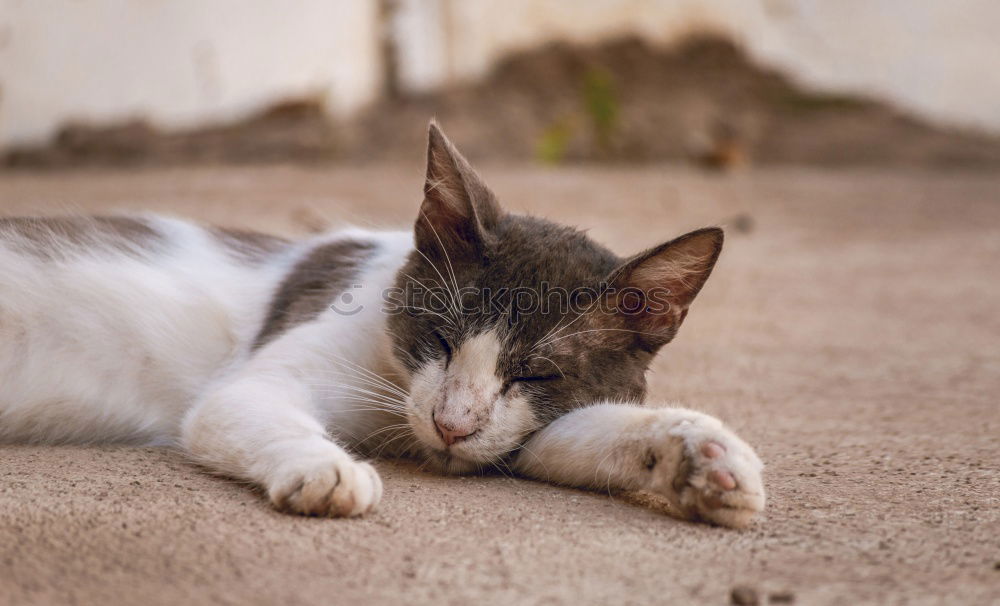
[[97, 344], [153, 345]]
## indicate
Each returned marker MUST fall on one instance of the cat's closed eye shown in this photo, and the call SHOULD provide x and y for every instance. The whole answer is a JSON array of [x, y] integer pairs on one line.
[[445, 347], [529, 379]]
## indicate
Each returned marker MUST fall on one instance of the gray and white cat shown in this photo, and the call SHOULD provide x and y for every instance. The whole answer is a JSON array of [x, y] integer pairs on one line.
[[481, 339]]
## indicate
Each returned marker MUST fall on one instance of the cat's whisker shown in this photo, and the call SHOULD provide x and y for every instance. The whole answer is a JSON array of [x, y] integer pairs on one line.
[[524, 446], [356, 384], [361, 369], [549, 337], [559, 327], [372, 376], [379, 404], [356, 391], [455, 303], [405, 352], [359, 408], [366, 372], [393, 427], [406, 450], [392, 440], [611, 474], [356, 405], [352, 390], [335, 393], [573, 334], [433, 313], [423, 465], [339, 395], [411, 444], [549, 360], [600, 464], [364, 409], [509, 472], [452, 321], [552, 330], [334, 390], [444, 249]]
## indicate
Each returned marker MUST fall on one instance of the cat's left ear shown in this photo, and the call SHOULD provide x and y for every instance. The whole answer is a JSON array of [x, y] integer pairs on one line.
[[652, 291], [459, 211]]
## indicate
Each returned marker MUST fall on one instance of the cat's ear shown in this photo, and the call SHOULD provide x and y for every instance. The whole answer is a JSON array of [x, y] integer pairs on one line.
[[459, 211], [652, 290]]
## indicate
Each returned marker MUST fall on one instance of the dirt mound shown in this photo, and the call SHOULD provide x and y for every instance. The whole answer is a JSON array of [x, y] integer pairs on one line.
[[296, 131], [623, 101], [628, 101]]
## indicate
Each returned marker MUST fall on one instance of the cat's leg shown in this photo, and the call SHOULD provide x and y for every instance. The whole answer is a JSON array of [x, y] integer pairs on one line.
[[262, 426], [689, 458]]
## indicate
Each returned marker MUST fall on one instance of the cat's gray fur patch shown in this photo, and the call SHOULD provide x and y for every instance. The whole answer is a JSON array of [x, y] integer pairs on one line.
[[312, 285], [51, 238], [248, 246]]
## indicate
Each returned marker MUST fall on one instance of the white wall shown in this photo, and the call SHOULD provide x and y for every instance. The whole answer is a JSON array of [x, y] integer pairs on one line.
[[178, 63], [184, 63], [938, 58]]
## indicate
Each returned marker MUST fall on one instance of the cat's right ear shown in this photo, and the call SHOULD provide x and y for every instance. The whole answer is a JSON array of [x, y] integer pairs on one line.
[[459, 211]]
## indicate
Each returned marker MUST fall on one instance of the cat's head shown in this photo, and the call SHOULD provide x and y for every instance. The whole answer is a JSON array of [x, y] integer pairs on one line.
[[510, 321]]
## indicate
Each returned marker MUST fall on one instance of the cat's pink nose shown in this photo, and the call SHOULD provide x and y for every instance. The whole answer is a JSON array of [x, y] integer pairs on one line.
[[451, 434]]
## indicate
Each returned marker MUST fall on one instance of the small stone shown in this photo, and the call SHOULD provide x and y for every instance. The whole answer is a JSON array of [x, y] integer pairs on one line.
[[744, 595], [781, 597], [743, 223], [996, 565]]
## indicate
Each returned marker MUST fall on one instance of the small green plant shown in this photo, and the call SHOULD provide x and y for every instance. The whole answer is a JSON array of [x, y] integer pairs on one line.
[[551, 148], [599, 113], [601, 106]]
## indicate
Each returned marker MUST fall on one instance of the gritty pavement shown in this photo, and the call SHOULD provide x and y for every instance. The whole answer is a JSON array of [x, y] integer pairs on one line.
[[851, 333]]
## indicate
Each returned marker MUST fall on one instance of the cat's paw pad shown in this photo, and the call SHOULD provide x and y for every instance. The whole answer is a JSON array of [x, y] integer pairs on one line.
[[719, 476], [337, 487]]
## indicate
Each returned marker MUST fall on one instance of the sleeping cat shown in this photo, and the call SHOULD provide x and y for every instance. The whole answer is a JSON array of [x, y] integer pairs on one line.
[[281, 362]]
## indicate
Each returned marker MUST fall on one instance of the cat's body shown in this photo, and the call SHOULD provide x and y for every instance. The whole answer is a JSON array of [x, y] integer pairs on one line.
[[273, 361], [108, 339]]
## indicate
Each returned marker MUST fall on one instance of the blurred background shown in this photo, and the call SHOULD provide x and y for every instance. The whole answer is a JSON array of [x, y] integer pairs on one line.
[[721, 83]]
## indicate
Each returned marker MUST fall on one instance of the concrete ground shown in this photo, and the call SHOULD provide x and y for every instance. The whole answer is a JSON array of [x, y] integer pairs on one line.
[[850, 333]]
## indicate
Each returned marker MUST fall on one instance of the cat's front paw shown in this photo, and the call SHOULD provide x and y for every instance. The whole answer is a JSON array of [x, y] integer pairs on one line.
[[713, 476], [334, 486]]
